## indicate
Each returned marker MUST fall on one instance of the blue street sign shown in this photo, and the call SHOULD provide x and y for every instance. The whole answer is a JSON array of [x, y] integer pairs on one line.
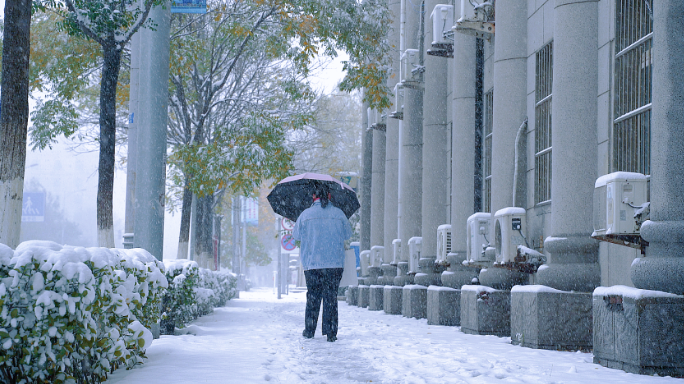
[[189, 6], [33, 207]]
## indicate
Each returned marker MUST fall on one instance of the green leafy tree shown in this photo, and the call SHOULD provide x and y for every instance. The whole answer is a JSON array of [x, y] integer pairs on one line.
[[233, 99], [65, 85], [111, 24]]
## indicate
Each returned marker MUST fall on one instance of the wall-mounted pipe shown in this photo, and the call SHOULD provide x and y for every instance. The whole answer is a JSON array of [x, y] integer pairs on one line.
[[519, 185]]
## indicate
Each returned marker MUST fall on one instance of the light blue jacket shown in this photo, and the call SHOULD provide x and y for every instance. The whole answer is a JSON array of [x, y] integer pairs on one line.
[[322, 232]]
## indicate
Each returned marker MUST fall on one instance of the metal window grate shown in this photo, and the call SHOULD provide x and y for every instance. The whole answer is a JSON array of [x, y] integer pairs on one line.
[[632, 93], [542, 112], [487, 152]]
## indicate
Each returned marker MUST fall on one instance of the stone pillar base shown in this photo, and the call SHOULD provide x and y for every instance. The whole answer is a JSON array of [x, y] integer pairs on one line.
[[376, 294], [546, 318], [457, 279], [500, 278], [392, 300], [427, 279], [352, 295], [414, 301], [443, 306], [485, 311], [403, 280], [364, 296], [639, 331]]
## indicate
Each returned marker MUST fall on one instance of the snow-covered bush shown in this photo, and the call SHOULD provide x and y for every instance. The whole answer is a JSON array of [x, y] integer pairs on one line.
[[73, 314], [193, 292]]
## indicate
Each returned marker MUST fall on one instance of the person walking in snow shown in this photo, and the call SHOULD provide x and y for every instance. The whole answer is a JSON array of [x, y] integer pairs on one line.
[[322, 230]]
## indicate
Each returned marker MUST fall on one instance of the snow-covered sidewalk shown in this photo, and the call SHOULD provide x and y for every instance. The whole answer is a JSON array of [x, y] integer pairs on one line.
[[258, 339]]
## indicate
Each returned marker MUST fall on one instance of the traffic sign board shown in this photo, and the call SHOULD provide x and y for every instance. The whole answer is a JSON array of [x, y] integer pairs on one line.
[[288, 224], [288, 242], [33, 206]]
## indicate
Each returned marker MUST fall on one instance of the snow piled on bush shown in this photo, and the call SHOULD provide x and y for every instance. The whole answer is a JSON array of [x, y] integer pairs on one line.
[[193, 292], [74, 314]]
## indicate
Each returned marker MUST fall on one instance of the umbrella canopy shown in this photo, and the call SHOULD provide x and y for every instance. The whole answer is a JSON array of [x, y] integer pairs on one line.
[[292, 195]]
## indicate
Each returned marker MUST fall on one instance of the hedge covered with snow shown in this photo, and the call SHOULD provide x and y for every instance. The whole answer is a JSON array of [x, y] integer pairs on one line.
[[193, 292], [73, 314]]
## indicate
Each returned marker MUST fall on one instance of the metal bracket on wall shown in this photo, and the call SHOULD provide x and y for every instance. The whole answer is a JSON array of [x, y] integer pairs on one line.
[[482, 29], [380, 127], [632, 241]]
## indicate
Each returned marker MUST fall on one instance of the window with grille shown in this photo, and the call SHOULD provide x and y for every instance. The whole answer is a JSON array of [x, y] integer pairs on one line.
[[487, 152], [542, 121], [632, 87]]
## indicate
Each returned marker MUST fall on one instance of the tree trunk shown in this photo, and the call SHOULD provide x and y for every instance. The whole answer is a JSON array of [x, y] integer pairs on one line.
[[105, 182], [184, 236], [14, 117], [203, 222], [197, 231]]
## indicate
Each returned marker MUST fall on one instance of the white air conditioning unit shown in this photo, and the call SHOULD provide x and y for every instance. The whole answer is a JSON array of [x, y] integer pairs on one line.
[[396, 251], [398, 102], [477, 236], [466, 12], [475, 18], [379, 120], [376, 255], [443, 241], [509, 224], [371, 117], [442, 20], [415, 245], [409, 61], [617, 196], [364, 261]]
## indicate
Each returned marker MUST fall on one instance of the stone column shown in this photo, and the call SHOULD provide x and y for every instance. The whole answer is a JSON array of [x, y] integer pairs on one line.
[[573, 262], [463, 156], [366, 176], [377, 201], [391, 222], [392, 142], [434, 202], [510, 110], [411, 158], [663, 267], [648, 322], [573, 253], [378, 188]]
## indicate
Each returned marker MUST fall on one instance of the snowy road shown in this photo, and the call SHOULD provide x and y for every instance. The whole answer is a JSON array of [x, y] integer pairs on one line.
[[257, 339]]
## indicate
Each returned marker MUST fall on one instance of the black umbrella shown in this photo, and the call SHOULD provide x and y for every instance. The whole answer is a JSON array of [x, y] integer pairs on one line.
[[292, 195]]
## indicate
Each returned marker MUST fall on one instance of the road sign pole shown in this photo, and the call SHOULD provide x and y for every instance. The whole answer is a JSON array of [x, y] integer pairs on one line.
[[280, 253]]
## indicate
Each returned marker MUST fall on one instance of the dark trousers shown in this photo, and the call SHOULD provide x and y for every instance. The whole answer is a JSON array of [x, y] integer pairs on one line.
[[322, 284]]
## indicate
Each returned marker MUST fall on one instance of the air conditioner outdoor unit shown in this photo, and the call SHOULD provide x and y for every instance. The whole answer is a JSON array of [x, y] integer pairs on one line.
[[477, 236], [364, 260], [415, 245], [466, 11], [376, 255], [396, 251], [379, 120], [409, 62], [442, 37], [443, 241], [371, 117], [398, 102], [508, 226], [475, 18], [617, 198]]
